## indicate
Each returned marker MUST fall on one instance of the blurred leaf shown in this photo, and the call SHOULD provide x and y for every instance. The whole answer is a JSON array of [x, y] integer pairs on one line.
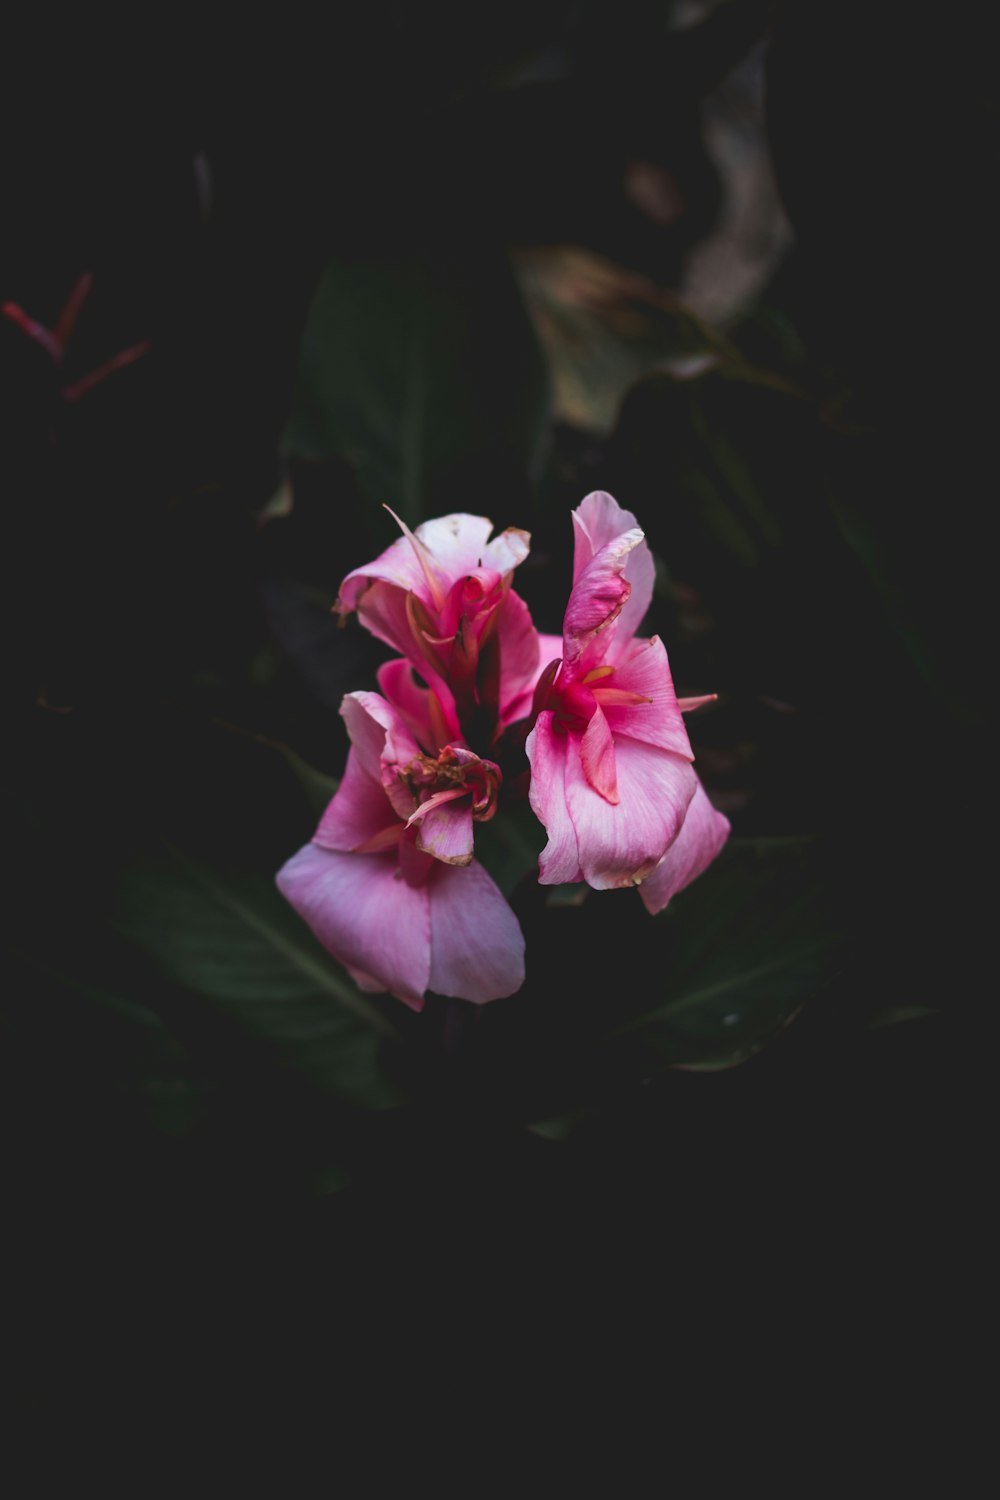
[[229, 937], [893, 1015], [604, 326], [411, 370], [316, 785], [557, 1128], [88, 999], [749, 943]]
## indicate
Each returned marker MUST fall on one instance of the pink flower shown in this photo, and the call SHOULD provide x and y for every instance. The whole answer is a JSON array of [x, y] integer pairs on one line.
[[702, 835], [441, 596], [611, 773], [389, 885]]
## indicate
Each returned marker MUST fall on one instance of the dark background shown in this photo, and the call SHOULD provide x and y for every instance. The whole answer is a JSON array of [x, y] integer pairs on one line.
[[820, 498]]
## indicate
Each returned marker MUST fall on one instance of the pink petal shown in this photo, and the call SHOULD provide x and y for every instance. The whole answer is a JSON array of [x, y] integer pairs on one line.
[[599, 594], [457, 544], [446, 831], [507, 550], [368, 919], [550, 648], [702, 835], [378, 732], [518, 654], [366, 730], [619, 844], [477, 948], [410, 699], [429, 716], [547, 750], [475, 594], [598, 520], [358, 811], [644, 669], [597, 756], [415, 867], [373, 986], [382, 610], [453, 546]]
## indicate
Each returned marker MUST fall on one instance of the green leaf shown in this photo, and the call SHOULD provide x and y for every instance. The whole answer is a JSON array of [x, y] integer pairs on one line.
[[74, 1016], [747, 945], [228, 937], [410, 369]]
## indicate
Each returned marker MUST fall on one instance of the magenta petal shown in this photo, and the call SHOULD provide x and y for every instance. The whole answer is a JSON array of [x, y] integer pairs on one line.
[[619, 845], [430, 717], [644, 669], [373, 986], [368, 919], [453, 546], [378, 733], [477, 948], [382, 610], [548, 751], [358, 811], [599, 594], [597, 756], [702, 835], [446, 831], [518, 654], [598, 520], [398, 566], [550, 648]]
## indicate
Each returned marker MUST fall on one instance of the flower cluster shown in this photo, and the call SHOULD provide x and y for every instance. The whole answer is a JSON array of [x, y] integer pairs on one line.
[[389, 883]]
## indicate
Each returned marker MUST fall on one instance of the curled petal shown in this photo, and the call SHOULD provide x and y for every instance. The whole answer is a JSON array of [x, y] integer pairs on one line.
[[345, 898], [477, 948], [378, 733], [702, 835], [507, 550], [597, 521], [447, 547], [444, 827], [456, 544], [381, 608], [599, 594]]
